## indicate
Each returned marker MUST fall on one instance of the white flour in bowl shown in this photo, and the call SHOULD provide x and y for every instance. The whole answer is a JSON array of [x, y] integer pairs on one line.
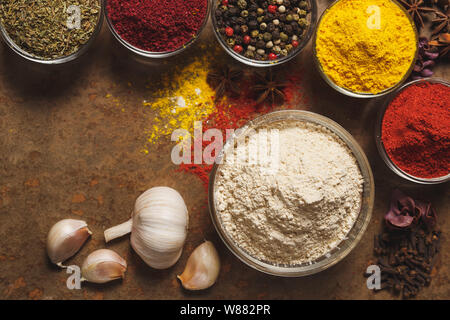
[[299, 212]]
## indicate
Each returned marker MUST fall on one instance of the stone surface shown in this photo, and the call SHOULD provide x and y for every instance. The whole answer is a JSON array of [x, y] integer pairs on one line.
[[69, 151]]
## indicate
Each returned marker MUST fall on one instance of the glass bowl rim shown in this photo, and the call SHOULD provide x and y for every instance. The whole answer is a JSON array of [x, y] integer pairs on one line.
[[61, 60], [363, 95], [359, 227], [271, 63], [151, 54], [378, 132]]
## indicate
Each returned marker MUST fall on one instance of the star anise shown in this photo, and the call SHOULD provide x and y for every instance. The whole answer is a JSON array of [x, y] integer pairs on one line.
[[268, 86], [224, 80], [425, 60], [442, 42], [442, 21], [417, 9]]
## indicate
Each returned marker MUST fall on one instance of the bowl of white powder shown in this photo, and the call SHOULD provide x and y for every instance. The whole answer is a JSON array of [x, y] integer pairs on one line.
[[291, 193]]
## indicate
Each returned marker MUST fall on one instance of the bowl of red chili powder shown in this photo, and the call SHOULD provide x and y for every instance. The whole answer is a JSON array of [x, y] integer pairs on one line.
[[157, 28], [413, 131]]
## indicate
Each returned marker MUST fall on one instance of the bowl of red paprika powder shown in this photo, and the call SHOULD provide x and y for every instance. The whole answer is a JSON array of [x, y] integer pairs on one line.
[[156, 28], [413, 131]]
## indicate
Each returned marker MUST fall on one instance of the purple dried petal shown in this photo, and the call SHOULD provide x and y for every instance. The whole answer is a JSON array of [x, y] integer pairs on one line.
[[399, 221], [422, 42], [404, 203], [418, 68], [426, 73], [421, 208], [427, 213], [431, 55], [402, 211], [417, 77], [428, 63], [405, 211]]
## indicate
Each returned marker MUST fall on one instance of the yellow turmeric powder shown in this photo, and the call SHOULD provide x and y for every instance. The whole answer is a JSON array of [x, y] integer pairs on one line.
[[366, 46], [184, 98]]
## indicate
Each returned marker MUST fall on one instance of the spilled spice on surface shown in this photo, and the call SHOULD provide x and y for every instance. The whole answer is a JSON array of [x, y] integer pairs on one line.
[[233, 113], [184, 98]]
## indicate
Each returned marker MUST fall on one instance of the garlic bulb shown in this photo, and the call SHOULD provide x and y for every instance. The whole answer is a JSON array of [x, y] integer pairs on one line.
[[65, 238], [158, 227], [202, 268], [103, 266]]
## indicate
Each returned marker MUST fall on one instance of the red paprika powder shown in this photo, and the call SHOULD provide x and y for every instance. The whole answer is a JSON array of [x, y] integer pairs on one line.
[[416, 130], [157, 25]]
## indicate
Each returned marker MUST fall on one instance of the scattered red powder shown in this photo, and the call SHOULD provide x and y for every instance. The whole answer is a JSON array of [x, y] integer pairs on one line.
[[157, 25], [293, 90], [226, 116], [416, 130], [234, 113]]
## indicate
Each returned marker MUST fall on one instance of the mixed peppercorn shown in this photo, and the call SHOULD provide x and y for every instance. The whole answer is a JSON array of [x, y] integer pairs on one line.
[[263, 29]]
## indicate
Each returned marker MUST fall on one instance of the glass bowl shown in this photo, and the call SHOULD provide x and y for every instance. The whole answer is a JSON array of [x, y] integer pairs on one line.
[[354, 235], [378, 130], [362, 94], [312, 18], [83, 49], [148, 55]]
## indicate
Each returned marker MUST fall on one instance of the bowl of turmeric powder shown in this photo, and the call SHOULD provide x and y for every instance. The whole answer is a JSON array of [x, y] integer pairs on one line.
[[365, 48]]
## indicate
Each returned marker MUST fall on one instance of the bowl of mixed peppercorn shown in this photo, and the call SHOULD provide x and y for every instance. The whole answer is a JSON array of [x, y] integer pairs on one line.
[[263, 33]]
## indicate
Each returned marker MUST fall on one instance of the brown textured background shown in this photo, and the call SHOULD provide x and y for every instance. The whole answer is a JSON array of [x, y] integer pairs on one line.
[[68, 151]]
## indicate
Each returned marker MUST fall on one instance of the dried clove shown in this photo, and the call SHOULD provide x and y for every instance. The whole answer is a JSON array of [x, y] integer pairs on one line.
[[406, 258], [407, 252]]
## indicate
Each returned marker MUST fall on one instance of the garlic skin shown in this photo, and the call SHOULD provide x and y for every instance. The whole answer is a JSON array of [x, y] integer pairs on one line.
[[202, 268], [65, 238], [158, 227], [102, 266]]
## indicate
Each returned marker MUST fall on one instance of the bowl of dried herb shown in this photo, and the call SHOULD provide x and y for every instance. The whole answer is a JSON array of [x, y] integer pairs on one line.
[[50, 31]]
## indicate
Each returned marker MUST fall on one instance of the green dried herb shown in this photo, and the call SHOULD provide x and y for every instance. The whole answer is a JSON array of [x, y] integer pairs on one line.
[[40, 27]]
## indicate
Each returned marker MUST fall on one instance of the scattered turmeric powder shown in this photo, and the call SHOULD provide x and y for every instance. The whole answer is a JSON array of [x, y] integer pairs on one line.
[[366, 46], [185, 98]]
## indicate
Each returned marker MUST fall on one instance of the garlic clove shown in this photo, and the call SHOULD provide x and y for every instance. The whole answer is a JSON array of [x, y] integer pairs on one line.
[[202, 268], [102, 266], [65, 238]]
